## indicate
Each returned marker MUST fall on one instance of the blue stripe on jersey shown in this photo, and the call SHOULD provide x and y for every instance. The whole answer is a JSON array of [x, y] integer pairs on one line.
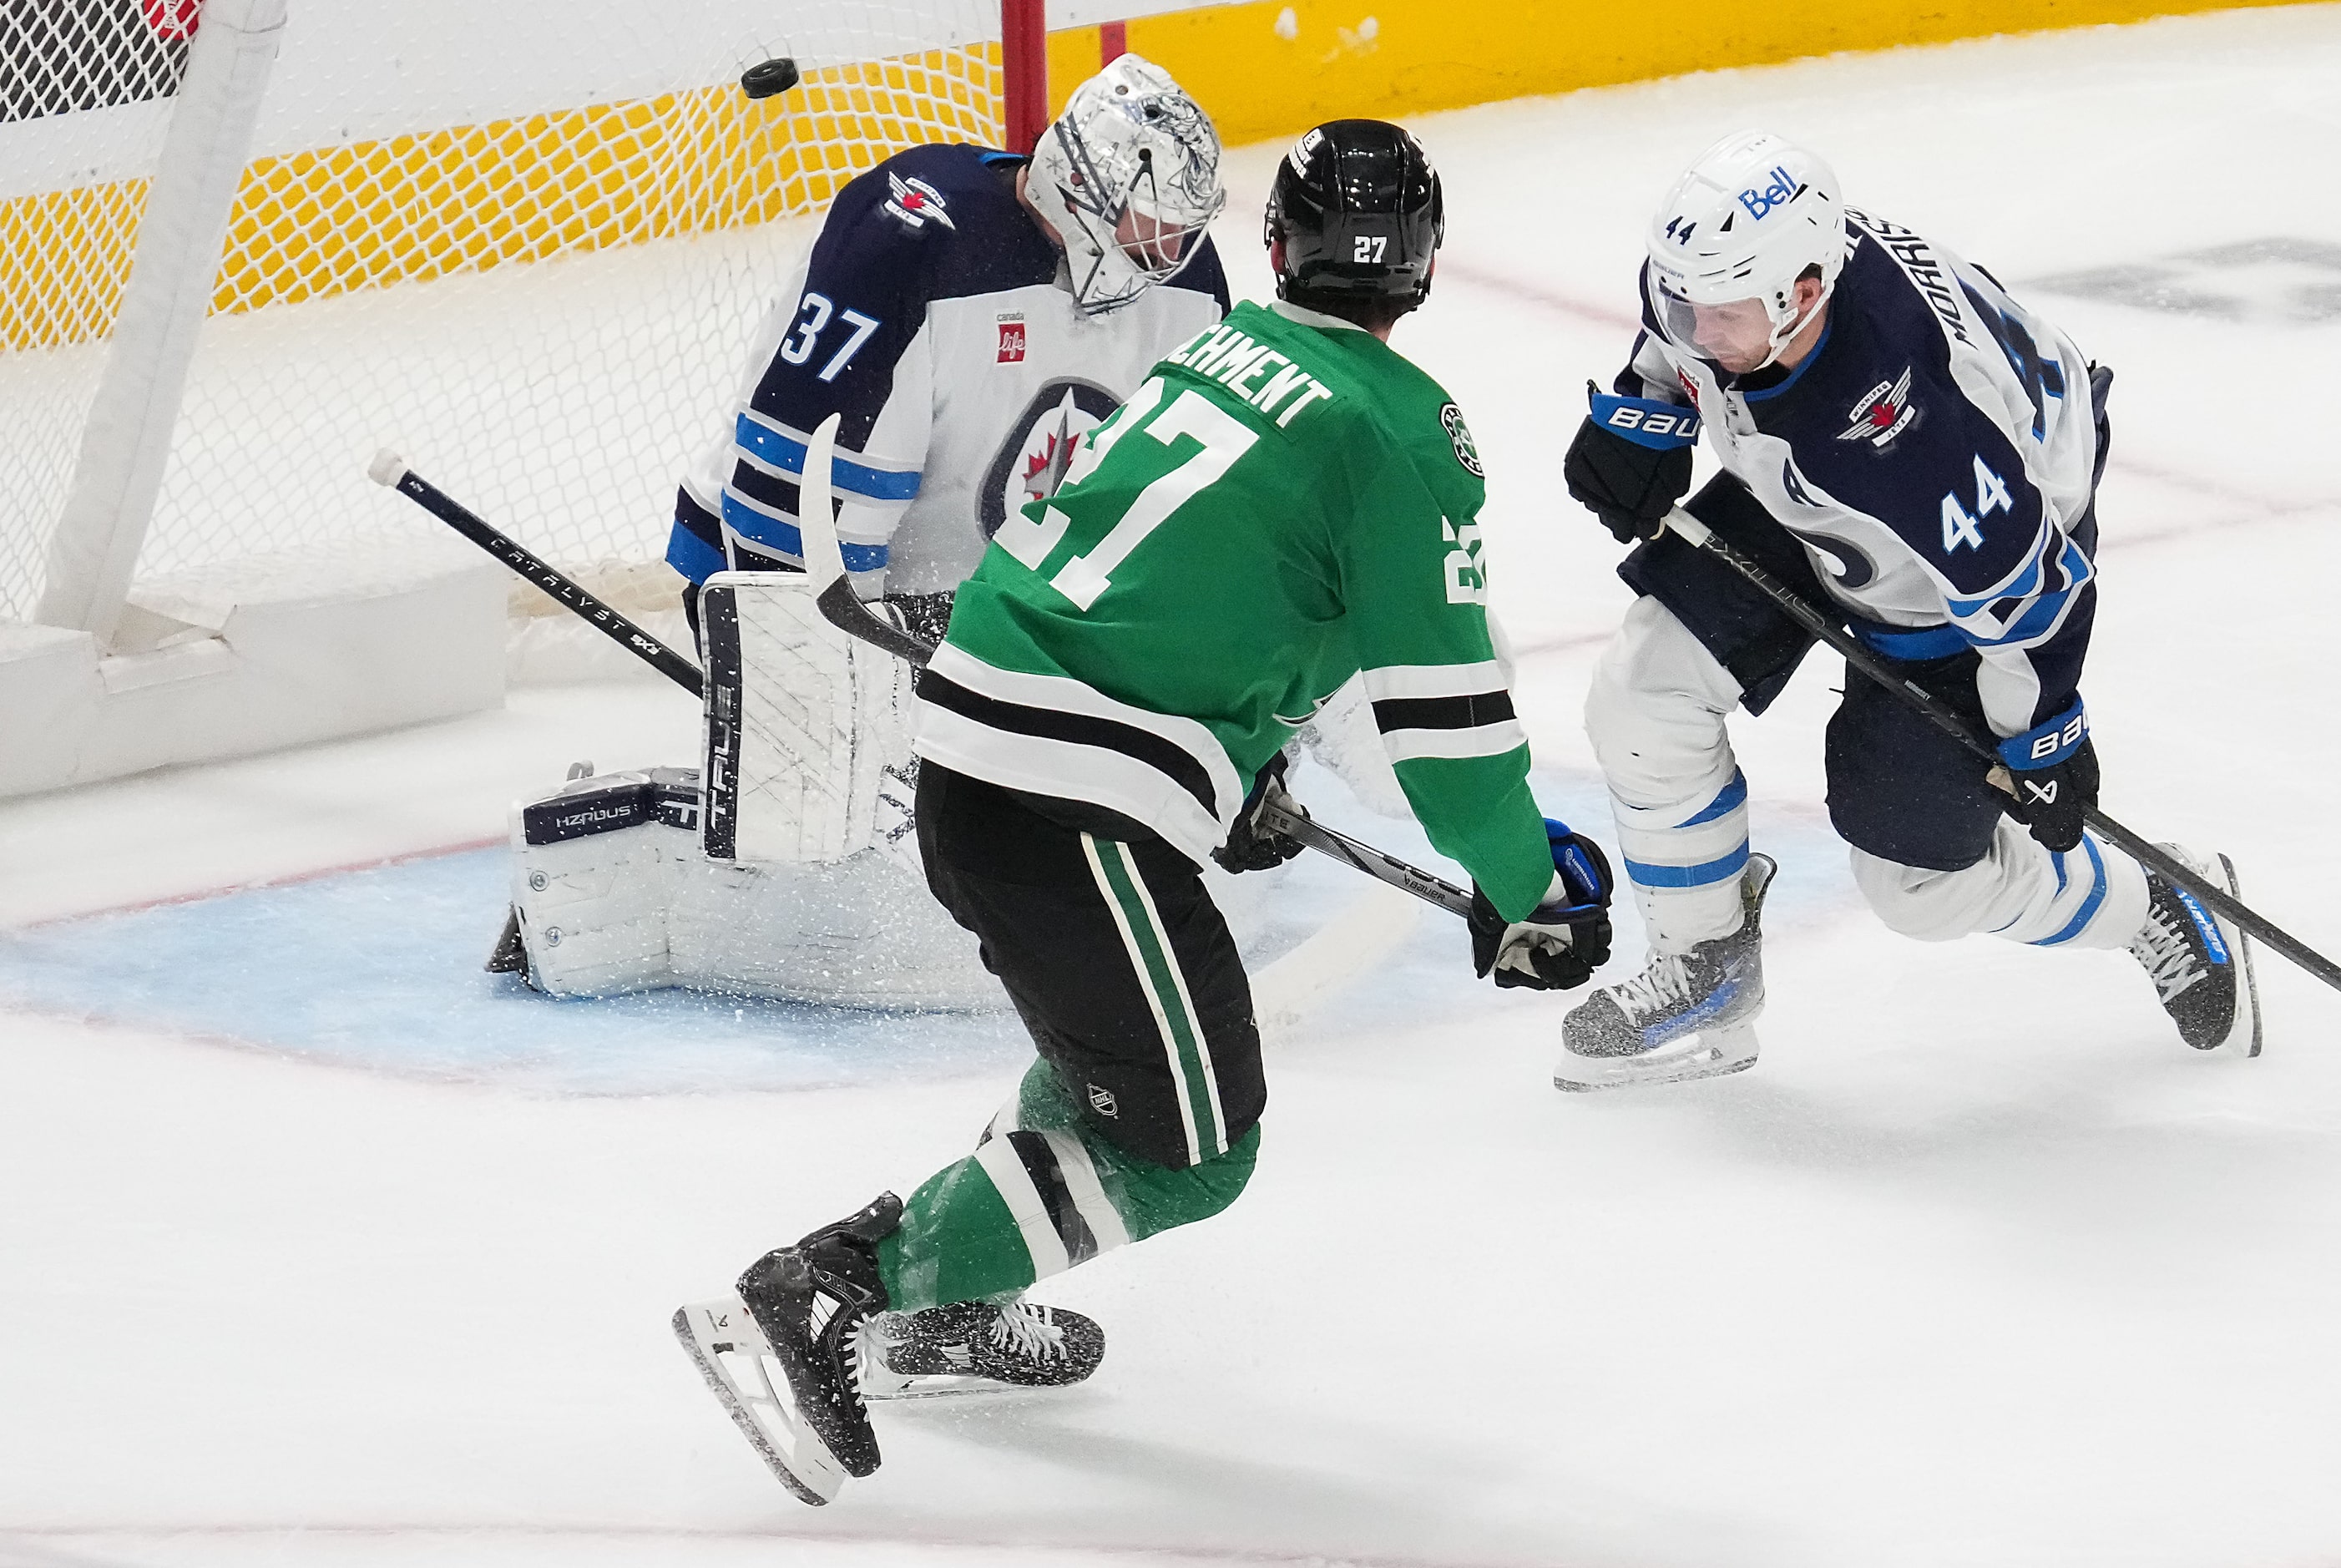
[[2088, 905], [2041, 616], [1733, 796], [788, 454], [1647, 875], [784, 537], [693, 556], [1811, 358], [1916, 645]]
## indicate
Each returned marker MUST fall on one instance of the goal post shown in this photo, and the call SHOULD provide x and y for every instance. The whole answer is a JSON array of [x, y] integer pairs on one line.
[[526, 243]]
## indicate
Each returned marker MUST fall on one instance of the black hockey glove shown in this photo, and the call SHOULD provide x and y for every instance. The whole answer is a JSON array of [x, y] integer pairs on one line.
[[1252, 845], [1562, 941], [2050, 800], [1630, 461]]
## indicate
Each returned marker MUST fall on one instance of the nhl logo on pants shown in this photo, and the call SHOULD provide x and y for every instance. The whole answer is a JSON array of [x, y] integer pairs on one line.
[[1103, 1101]]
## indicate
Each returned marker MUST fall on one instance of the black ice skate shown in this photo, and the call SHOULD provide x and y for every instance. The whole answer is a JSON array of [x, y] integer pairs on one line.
[[973, 1347], [1686, 1016], [2201, 965], [801, 1310]]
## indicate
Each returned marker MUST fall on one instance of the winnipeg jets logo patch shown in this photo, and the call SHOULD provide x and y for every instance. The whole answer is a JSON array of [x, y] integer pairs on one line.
[[1459, 434], [1884, 413], [916, 203]]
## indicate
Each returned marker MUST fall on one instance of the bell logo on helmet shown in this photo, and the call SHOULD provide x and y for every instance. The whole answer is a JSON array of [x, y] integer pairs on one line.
[[1782, 190]]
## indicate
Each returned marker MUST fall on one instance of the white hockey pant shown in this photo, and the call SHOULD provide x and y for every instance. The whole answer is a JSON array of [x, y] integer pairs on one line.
[[1656, 714]]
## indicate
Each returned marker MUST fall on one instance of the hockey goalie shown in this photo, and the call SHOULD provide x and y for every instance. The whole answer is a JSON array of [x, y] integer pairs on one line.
[[967, 315]]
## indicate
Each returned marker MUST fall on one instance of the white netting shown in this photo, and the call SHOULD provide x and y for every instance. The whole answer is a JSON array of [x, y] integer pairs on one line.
[[523, 244], [84, 103]]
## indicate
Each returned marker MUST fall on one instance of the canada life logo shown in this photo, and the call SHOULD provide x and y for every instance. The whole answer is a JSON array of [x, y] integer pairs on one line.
[[1012, 340]]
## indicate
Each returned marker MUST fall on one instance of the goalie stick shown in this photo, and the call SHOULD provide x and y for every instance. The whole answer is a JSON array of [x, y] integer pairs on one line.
[[1935, 712], [842, 609], [389, 469]]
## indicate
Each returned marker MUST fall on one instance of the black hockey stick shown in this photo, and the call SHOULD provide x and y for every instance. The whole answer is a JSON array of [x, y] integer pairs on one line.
[[843, 609], [1944, 718], [390, 469]]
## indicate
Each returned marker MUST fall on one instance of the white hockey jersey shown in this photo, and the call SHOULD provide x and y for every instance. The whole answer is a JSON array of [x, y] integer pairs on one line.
[[1936, 456], [931, 316]]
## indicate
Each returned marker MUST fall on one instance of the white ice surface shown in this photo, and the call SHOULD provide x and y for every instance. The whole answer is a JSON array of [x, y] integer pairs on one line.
[[1978, 1266]]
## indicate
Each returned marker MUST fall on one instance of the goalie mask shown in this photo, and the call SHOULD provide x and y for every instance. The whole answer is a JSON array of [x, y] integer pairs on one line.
[[1129, 176], [1743, 223]]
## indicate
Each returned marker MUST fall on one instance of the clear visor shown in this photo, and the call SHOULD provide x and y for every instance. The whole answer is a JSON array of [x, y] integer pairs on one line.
[[1740, 335]]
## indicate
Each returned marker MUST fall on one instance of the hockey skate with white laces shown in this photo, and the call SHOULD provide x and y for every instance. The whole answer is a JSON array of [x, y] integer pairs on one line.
[[1687, 1015], [977, 1347], [800, 1310], [2201, 965]]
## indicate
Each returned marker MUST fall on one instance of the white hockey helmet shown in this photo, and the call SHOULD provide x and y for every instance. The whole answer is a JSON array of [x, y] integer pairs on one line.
[[1752, 216], [1129, 176]]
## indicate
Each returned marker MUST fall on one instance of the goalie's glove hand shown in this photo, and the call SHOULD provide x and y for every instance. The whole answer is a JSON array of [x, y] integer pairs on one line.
[[1631, 483], [1253, 844], [2050, 800], [1562, 941]]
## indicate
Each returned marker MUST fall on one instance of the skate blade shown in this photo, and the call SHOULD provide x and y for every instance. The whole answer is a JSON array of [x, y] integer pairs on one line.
[[942, 1385], [2237, 1043], [1712, 1053], [732, 1354]]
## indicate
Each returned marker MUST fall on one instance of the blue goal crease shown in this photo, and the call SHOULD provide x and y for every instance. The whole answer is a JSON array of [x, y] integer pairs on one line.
[[382, 969]]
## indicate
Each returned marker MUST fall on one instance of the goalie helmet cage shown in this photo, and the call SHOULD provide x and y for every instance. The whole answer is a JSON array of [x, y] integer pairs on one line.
[[245, 243]]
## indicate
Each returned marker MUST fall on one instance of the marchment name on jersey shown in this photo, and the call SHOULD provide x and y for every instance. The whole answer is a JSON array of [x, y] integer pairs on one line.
[[1235, 362]]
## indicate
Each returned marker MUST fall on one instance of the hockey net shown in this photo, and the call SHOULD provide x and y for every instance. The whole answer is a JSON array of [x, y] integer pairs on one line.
[[523, 244]]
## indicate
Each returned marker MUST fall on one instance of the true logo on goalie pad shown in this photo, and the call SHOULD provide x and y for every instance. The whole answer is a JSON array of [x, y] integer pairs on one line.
[[811, 771]]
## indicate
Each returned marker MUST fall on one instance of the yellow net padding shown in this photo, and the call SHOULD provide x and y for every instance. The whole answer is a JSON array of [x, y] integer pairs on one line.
[[315, 224]]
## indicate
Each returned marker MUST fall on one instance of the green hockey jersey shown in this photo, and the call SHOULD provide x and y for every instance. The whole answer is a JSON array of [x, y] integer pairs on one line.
[[1285, 501]]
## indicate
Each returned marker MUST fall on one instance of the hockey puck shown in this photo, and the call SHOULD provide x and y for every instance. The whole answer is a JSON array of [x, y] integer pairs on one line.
[[772, 76]]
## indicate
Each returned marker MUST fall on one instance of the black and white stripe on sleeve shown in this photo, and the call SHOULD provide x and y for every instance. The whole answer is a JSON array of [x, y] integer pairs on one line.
[[1444, 710]]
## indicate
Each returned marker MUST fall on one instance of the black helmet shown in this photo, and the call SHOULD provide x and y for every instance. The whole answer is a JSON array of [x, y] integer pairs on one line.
[[1358, 206]]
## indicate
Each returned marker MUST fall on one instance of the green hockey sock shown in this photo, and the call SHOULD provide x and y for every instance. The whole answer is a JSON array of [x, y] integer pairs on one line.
[[1043, 1193]]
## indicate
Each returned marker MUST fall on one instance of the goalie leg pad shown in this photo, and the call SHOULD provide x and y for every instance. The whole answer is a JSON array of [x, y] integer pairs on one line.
[[594, 865], [808, 737]]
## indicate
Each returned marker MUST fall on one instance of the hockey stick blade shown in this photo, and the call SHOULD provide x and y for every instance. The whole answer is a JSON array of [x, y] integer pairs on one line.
[[390, 470], [824, 557], [2168, 866]]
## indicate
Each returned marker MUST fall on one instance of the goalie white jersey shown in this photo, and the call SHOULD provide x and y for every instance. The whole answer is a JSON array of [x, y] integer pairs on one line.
[[931, 315]]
